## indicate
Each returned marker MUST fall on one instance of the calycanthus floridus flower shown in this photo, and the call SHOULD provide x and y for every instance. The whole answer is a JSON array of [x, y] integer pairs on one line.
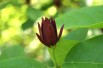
[[48, 32]]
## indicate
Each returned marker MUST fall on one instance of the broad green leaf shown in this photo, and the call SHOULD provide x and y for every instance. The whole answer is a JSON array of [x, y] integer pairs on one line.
[[87, 54], [79, 34], [21, 62], [59, 52], [29, 23], [33, 14], [11, 51], [14, 57], [87, 17]]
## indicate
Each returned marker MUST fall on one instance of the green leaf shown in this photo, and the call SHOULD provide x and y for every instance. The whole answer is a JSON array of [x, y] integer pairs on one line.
[[11, 52], [59, 52], [21, 62], [33, 14], [88, 17], [87, 54], [29, 23], [15, 3], [14, 57], [79, 34], [3, 5]]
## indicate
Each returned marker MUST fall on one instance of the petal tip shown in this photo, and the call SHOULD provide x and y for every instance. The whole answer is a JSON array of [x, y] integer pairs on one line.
[[61, 31]]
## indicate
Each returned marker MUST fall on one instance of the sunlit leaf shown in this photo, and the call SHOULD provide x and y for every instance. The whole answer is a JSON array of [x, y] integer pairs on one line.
[[21, 62], [89, 17], [33, 14], [87, 54], [8, 52], [59, 52]]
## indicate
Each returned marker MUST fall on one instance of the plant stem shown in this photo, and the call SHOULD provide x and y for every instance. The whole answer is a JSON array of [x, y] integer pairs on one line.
[[55, 61], [57, 66]]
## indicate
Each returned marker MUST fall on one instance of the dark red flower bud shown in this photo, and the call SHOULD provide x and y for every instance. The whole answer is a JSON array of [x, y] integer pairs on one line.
[[48, 32]]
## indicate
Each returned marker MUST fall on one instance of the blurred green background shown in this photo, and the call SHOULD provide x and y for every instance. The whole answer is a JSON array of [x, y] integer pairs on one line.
[[18, 24]]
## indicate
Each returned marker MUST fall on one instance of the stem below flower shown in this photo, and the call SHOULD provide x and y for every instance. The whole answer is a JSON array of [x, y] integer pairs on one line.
[[58, 67], [54, 57], [52, 52]]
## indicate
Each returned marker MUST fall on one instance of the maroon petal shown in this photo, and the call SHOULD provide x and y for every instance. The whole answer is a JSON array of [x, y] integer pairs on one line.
[[60, 33], [40, 31], [41, 40], [54, 25], [49, 33], [53, 38], [42, 23]]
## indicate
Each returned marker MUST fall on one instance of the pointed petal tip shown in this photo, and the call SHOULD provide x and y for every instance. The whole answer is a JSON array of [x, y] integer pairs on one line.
[[62, 26], [42, 19], [41, 40], [38, 23], [51, 17], [61, 31], [46, 18], [37, 34]]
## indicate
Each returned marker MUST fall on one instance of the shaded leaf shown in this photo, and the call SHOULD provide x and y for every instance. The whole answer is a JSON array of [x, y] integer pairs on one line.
[[3, 5], [32, 15], [79, 34], [29, 23]]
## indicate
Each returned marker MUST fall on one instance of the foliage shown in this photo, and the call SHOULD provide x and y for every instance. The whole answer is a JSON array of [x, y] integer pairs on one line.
[[86, 54], [80, 46]]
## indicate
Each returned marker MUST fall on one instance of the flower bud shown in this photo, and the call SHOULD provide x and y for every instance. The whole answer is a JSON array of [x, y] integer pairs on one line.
[[48, 32]]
